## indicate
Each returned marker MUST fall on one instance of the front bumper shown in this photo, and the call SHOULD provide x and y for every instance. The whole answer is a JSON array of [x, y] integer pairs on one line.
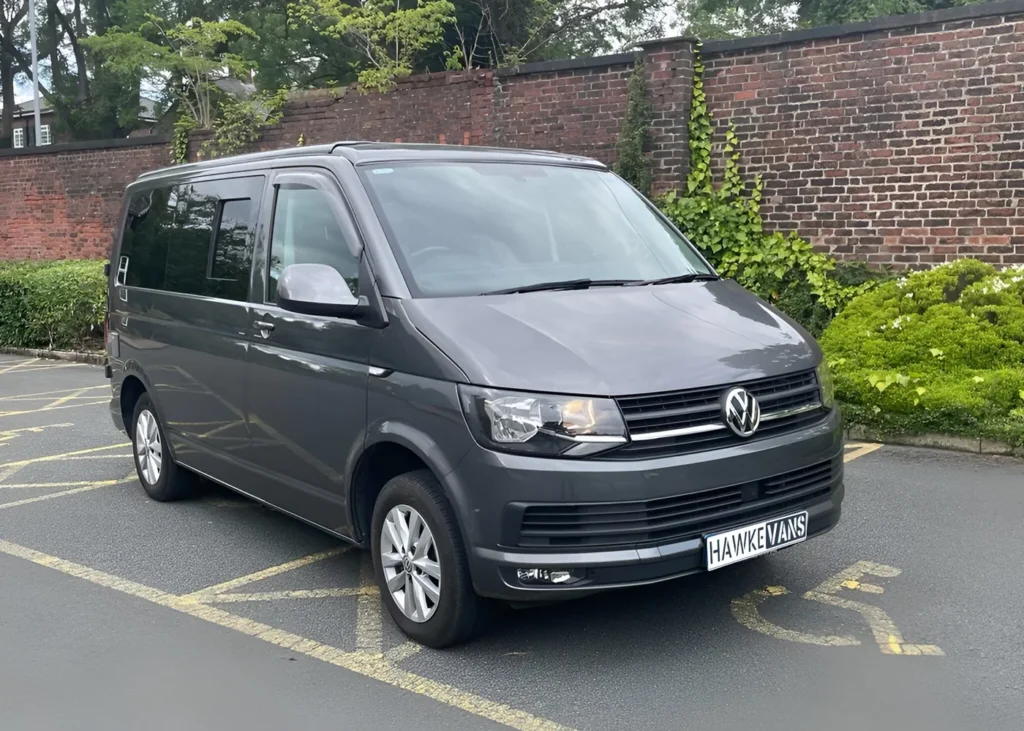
[[491, 488]]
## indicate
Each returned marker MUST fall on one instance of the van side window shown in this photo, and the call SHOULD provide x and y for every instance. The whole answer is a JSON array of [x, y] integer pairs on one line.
[[232, 252], [193, 238], [305, 231], [146, 236], [189, 252]]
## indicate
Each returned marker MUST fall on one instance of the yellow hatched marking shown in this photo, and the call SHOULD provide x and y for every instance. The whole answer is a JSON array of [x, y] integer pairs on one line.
[[856, 450], [65, 455], [18, 365], [402, 652], [79, 483], [65, 493], [39, 394], [204, 594], [373, 666], [369, 613], [273, 596], [52, 408]]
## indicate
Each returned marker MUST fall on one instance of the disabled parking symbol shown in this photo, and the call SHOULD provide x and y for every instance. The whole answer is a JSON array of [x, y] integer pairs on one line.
[[832, 592]]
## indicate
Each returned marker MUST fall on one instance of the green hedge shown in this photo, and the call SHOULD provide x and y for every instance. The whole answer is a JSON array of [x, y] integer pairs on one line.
[[56, 305], [935, 351]]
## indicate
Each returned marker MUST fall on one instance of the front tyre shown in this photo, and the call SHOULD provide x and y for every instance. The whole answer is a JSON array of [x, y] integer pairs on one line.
[[420, 562], [161, 478]]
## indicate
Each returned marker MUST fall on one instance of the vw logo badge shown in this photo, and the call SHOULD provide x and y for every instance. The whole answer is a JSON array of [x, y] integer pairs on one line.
[[742, 412]]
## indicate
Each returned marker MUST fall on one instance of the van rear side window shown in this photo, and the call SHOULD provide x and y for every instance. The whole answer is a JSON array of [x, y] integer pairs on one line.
[[193, 238]]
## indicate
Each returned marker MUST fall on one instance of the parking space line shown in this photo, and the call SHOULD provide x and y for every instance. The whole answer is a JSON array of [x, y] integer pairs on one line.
[[402, 652], [369, 613], [19, 364], [372, 666], [41, 409], [65, 493], [273, 596], [856, 450], [65, 455], [40, 395], [77, 483], [222, 588], [32, 367]]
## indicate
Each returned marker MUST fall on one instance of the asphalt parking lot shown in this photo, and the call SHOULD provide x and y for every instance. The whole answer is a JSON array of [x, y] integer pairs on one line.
[[117, 612]]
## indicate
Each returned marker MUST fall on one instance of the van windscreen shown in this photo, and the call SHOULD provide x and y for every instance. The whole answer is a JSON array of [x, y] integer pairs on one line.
[[471, 228]]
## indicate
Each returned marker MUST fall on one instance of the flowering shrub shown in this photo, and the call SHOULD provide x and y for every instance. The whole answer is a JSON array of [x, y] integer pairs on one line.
[[935, 351]]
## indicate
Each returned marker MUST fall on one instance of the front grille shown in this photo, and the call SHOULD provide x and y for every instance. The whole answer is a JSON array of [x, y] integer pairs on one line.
[[593, 525], [665, 412]]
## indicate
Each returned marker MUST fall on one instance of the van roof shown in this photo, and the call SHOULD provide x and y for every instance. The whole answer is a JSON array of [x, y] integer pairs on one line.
[[375, 152]]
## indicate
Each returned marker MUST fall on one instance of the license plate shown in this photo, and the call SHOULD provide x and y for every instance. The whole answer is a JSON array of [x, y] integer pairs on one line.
[[740, 544]]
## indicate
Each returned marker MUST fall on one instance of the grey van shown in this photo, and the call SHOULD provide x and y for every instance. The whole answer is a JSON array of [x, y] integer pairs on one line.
[[502, 372]]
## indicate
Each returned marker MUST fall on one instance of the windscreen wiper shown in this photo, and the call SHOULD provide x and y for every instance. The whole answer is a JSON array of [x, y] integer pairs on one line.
[[566, 284], [682, 279]]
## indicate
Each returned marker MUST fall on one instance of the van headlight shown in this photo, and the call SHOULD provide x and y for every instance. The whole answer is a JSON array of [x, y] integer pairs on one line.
[[529, 423], [828, 387]]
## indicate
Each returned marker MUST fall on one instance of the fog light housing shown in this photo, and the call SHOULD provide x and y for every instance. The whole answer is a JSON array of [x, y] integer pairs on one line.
[[549, 576]]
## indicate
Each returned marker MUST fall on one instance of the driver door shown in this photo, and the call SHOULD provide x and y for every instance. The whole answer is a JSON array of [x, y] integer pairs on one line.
[[307, 375]]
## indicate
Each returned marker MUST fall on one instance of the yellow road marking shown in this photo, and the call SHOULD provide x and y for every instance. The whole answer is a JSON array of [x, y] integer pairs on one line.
[[883, 629], [65, 455], [52, 408], [104, 456], [203, 594], [32, 396], [9, 434], [886, 634], [745, 611], [79, 483], [402, 652], [64, 399], [369, 613], [372, 666], [52, 495], [273, 596], [17, 365], [32, 367], [858, 449]]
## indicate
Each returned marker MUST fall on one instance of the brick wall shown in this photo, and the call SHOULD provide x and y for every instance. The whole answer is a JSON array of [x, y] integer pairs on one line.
[[898, 145], [897, 141], [64, 204]]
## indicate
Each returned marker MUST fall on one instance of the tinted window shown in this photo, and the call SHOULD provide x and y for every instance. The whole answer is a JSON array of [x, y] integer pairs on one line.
[[146, 236], [306, 232], [193, 238], [189, 252], [468, 228], [232, 254]]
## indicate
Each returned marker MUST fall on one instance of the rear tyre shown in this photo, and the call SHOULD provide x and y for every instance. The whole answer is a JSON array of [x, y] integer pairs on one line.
[[420, 562], [161, 478]]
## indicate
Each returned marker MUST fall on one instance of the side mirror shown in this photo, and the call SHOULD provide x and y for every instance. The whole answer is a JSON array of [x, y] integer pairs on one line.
[[317, 289]]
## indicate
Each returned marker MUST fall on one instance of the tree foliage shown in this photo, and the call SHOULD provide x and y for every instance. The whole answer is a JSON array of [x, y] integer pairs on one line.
[[712, 19], [388, 36], [192, 56]]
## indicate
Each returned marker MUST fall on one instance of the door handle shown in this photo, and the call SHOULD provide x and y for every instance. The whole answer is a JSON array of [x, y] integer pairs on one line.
[[264, 327]]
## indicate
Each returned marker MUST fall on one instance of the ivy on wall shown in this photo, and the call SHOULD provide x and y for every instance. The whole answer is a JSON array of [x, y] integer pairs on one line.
[[632, 161], [723, 219]]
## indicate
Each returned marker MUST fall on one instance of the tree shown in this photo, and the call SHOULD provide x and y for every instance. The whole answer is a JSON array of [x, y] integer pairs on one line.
[[189, 56], [713, 19], [12, 12], [387, 36]]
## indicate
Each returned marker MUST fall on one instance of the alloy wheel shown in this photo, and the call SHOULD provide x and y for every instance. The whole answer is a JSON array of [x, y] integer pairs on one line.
[[410, 562], [149, 447]]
